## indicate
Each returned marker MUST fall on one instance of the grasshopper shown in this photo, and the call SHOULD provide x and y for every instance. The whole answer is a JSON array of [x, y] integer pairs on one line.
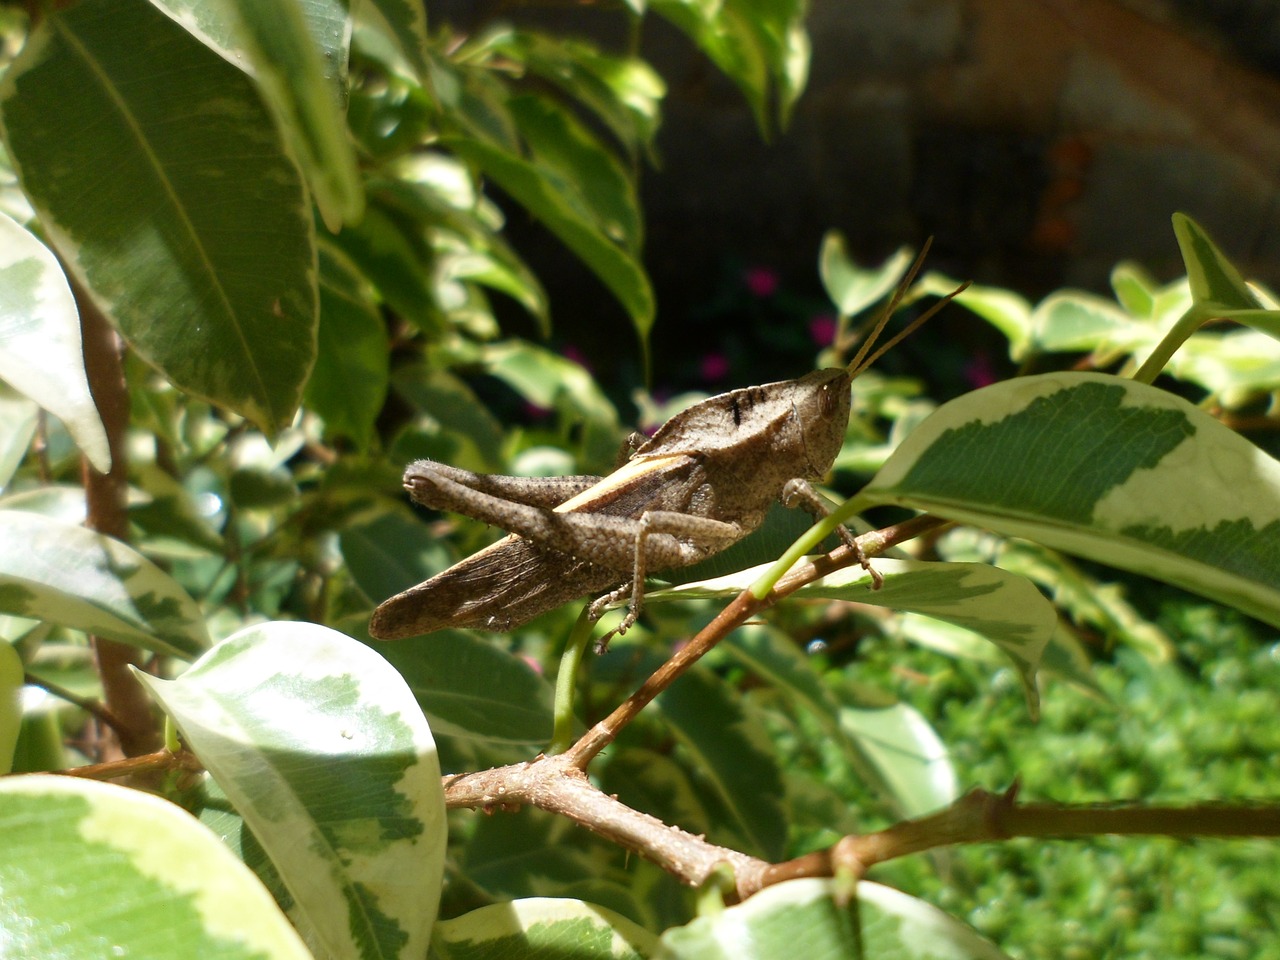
[[704, 480]]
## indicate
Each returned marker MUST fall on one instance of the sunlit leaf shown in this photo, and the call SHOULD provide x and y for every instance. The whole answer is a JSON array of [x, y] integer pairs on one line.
[[324, 752]]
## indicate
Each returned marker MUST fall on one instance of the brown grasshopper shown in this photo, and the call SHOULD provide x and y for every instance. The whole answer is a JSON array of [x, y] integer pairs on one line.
[[703, 481]]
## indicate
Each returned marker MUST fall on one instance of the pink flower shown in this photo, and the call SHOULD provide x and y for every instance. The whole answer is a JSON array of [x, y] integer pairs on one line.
[[822, 329], [979, 372], [761, 282], [571, 352], [714, 366]]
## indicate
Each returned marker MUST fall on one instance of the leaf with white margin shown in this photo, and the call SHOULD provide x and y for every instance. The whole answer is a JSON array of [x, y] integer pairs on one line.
[[321, 747], [542, 927], [1006, 609], [88, 868], [1105, 468], [40, 350], [64, 574], [803, 918]]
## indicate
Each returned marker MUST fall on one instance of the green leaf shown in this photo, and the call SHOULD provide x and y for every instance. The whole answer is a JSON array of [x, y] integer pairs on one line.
[[625, 93], [1109, 469], [382, 246], [64, 574], [1008, 312], [730, 748], [550, 380], [199, 244], [11, 682], [542, 928], [40, 351], [1071, 320], [455, 425], [893, 748], [172, 890], [406, 21], [390, 552], [348, 384], [471, 690], [580, 169], [908, 756], [297, 53], [1214, 279], [657, 785], [760, 45], [803, 918], [1134, 288], [321, 747], [851, 288], [555, 202], [1004, 608]]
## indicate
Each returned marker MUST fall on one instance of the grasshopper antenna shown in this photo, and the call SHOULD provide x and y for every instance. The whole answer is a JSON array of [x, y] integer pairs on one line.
[[861, 361]]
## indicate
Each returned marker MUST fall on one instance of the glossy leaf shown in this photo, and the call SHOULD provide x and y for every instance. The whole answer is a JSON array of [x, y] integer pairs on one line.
[[40, 351], [322, 749], [91, 869], [907, 755], [732, 751], [1008, 312], [804, 918], [851, 288], [297, 53], [389, 552], [348, 384], [892, 747], [1004, 608], [471, 690], [759, 44], [554, 202], [1109, 469], [64, 574], [404, 20], [542, 929], [1214, 278], [199, 243]]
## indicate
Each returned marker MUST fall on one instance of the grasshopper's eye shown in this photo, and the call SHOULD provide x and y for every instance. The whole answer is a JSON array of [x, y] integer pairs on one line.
[[827, 400]]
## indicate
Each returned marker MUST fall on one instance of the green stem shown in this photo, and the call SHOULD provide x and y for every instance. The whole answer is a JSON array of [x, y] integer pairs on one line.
[[566, 681], [807, 543], [1187, 324]]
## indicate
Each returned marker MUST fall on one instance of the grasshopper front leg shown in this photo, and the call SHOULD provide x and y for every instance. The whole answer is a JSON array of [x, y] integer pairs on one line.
[[799, 492]]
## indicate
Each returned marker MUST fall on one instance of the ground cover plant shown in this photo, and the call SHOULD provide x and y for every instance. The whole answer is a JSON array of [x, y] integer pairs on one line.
[[249, 269]]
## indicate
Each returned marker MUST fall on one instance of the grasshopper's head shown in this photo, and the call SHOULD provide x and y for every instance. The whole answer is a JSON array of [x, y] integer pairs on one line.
[[821, 402]]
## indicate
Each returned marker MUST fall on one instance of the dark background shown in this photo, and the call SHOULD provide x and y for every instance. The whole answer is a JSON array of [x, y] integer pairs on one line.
[[1038, 141]]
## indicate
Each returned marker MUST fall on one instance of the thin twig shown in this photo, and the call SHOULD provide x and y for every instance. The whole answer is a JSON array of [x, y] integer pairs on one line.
[[741, 609], [95, 708], [160, 760]]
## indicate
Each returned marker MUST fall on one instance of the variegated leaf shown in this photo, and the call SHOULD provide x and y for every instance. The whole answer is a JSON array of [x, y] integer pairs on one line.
[[807, 918], [542, 927], [1105, 468], [322, 749], [40, 351], [64, 574], [1005, 608], [90, 869]]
